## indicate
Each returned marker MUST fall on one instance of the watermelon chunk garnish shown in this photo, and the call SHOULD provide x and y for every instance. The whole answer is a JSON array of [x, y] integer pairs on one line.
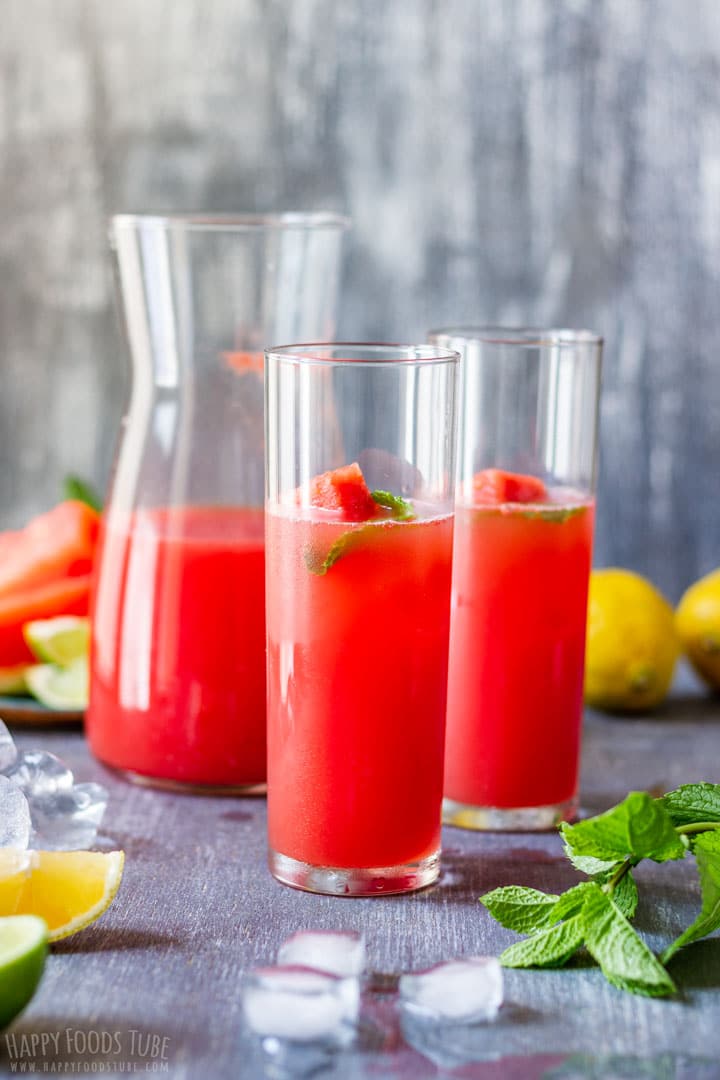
[[344, 490], [492, 487]]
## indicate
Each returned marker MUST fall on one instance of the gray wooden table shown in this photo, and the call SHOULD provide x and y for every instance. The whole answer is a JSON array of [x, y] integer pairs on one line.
[[160, 973]]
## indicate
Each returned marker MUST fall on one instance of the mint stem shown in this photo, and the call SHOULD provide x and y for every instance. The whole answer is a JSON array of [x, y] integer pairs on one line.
[[618, 875], [698, 827]]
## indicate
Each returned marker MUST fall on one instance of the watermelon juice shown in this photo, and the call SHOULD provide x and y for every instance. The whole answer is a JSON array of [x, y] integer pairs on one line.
[[358, 624], [178, 652], [521, 571]]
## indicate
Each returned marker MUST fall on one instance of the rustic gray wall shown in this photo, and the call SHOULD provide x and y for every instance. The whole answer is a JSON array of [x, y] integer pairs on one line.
[[507, 160]]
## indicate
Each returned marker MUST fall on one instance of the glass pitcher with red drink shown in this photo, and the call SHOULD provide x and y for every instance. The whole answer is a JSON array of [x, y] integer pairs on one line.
[[177, 693]]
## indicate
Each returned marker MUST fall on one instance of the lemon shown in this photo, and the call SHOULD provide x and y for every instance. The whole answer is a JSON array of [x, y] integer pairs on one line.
[[14, 872], [632, 646], [697, 621], [60, 687], [23, 948], [60, 640], [68, 889]]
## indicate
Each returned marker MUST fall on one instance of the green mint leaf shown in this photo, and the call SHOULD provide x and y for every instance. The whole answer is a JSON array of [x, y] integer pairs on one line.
[[520, 909], [549, 948], [318, 564], [623, 956], [569, 904], [402, 509], [692, 803], [588, 864], [625, 895], [707, 853], [557, 514], [75, 488], [639, 827]]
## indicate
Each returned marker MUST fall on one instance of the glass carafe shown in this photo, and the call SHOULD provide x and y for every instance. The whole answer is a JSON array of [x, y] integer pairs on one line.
[[177, 689]]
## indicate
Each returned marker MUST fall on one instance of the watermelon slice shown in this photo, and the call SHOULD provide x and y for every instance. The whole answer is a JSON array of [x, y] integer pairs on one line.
[[344, 490], [492, 487], [58, 544]]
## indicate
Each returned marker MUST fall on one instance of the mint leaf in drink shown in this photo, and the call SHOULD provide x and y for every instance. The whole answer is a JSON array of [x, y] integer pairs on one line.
[[693, 803], [518, 908], [75, 488], [402, 509], [707, 854], [556, 514], [548, 948], [639, 827], [623, 956]]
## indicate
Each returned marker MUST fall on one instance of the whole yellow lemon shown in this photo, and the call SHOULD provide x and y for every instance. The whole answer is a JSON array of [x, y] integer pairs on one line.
[[632, 646], [697, 621]]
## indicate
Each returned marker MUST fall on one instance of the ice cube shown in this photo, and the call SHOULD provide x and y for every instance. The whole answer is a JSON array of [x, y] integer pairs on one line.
[[14, 816], [38, 772], [68, 820], [341, 952], [8, 749], [298, 1004], [461, 991]]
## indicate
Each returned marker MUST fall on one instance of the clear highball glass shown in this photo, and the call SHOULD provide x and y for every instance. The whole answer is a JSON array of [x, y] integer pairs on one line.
[[359, 520], [524, 518]]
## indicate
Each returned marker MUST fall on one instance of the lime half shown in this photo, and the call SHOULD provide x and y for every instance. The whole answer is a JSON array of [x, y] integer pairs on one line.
[[23, 947], [58, 641], [60, 687]]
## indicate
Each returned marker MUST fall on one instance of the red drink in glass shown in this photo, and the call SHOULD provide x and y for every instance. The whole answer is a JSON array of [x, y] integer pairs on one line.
[[357, 675], [178, 685], [517, 652]]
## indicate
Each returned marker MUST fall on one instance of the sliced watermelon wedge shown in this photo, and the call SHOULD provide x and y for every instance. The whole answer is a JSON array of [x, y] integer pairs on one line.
[[345, 491], [58, 544], [492, 487], [68, 596]]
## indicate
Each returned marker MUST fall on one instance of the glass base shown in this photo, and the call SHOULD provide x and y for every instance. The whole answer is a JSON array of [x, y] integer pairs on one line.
[[346, 881], [508, 819], [183, 787]]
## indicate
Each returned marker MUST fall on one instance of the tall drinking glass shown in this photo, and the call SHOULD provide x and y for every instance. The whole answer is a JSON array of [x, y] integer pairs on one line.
[[177, 690], [359, 517], [523, 538]]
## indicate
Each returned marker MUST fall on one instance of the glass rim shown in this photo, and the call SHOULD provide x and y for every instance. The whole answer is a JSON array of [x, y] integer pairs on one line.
[[311, 354], [219, 222], [527, 337]]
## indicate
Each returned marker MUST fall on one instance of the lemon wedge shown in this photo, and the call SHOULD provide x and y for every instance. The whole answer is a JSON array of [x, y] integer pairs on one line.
[[68, 889]]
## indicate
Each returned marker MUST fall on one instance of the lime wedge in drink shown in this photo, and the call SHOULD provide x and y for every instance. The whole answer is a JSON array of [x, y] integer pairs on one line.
[[58, 641], [60, 687], [23, 947]]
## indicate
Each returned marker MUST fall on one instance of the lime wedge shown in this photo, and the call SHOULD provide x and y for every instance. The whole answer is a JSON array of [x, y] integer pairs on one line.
[[60, 687], [23, 947], [12, 679], [60, 640]]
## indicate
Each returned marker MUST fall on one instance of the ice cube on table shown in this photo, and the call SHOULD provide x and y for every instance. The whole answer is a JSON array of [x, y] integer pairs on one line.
[[8, 749], [341, 952], [68, 820], [462, 991], [14, 816], [299, 1004], [37, 772]]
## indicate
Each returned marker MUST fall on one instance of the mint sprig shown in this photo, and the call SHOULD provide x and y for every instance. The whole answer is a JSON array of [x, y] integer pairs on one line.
[[402, 509], [596, 914]]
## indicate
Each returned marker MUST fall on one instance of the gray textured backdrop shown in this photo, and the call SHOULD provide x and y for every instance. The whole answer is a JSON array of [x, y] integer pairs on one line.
[[505, 160]]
